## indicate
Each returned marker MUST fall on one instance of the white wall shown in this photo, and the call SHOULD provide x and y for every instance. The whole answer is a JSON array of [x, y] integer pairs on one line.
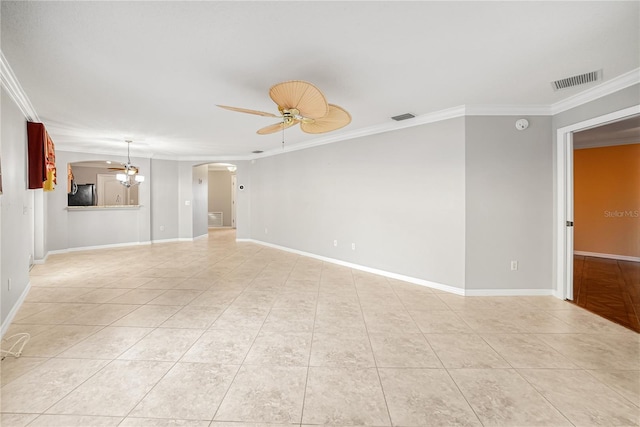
[[16, 229], [399, 196], [164, 200], [220, 195], [509, 199]]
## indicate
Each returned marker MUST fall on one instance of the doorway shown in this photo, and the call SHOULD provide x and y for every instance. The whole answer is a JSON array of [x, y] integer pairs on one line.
[[606, 172], [221, 195], [564, 197]]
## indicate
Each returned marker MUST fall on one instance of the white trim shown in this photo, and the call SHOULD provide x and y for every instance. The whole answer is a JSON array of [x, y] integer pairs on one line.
[[14, 310], [606, 88], [388, 274], [41, 261], [608, 256], [193, 239], [422, 282], [563, 144], [14, 89], [91, 248], [508, 292], [165, 240]]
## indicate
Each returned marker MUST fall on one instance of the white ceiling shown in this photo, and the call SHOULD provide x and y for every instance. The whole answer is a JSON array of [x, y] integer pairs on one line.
[[100, 72]]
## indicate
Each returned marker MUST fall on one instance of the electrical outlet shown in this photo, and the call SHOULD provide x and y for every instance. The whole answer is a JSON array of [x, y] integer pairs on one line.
[[335, 243], [266, 230], [514, 265], [162, 228], [353, 246]]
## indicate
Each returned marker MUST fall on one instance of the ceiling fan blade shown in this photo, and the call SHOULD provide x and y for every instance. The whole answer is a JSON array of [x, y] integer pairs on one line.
[[132, 168], [303, 96], [276, 127], [336, 118], [244, 110]]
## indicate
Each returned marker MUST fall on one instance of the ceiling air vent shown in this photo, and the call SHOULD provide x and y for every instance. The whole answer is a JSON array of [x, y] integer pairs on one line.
[[578, 80], [404, 116]]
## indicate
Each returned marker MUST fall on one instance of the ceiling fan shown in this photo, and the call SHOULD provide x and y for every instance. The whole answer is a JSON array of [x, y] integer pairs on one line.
[[300, 102]]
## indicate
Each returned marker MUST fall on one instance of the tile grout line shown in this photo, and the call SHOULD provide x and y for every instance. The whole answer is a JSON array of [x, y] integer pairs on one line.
[[375, 362], [440, 359], [313, 331], [248, 348]]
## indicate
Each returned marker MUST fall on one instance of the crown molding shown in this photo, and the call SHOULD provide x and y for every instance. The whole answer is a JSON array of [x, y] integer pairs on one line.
[[615, 84], [14, 89], [371, 130]]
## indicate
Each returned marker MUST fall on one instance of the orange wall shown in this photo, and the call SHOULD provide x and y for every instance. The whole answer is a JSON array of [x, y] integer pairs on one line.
[[607, 200]]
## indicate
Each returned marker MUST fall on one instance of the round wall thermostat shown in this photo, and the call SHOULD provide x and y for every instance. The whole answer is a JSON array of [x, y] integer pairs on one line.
[[522, 124]]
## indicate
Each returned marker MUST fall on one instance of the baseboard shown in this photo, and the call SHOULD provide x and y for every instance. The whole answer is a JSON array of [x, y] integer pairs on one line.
[[14, 310], [609, 256], [91, 248], [416, 281], [192, 239], [42, 260], [509, 292], [165, 240]]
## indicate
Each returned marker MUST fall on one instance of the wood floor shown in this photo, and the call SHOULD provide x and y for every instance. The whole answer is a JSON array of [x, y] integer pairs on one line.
[[609, 288]]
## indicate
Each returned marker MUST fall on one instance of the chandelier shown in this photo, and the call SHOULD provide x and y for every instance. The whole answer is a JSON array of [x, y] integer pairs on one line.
[[129, 175]]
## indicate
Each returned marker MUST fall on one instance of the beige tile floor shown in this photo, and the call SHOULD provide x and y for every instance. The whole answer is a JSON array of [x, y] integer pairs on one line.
[[225, 334]]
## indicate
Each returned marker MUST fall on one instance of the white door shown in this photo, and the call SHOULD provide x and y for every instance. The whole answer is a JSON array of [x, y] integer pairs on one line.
[[111, 192]]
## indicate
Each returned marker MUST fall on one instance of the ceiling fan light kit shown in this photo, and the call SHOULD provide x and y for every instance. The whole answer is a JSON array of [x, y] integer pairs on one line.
[[300, 102], [129, 176]]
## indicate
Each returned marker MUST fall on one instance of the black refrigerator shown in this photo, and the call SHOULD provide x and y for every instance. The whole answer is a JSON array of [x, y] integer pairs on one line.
[[82, 195]]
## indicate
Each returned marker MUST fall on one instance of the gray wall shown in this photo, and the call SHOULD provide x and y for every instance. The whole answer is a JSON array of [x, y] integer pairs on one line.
[[185, 194], [199, 202], [164, 200], [220, 194], [509, 199], [399, 196], [619, 100], [243, 199], [78, 229], [87, 175], [16, 201]]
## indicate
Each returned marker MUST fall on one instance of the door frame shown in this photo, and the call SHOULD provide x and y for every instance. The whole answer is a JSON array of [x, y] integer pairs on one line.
[[564, 195], [234, 181]]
